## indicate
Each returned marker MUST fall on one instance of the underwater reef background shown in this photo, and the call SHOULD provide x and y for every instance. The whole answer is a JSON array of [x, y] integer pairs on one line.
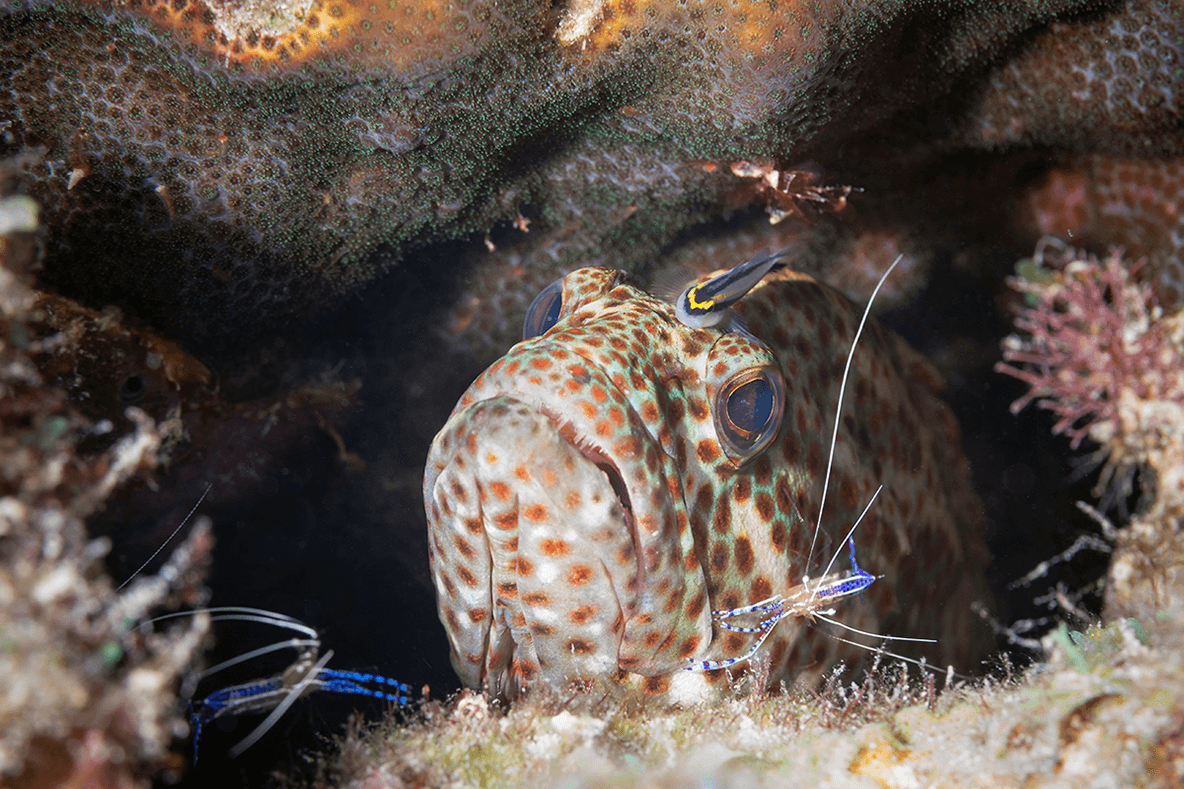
[[291, 234], [270, 175]]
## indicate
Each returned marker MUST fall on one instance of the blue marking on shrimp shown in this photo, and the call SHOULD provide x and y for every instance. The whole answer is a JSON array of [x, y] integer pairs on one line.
[[276, 693], [854, 583], [805, 600]]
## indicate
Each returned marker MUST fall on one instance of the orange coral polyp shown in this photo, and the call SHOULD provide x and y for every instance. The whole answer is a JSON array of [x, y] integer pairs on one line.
[[402, 35], [756, 31]]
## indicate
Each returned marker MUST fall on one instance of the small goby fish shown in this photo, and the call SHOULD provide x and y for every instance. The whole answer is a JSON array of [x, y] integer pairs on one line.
[[606, 496], [705, 303]]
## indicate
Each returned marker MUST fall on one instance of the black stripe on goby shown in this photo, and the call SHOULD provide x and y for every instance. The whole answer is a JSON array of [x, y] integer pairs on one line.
[[704, 304]]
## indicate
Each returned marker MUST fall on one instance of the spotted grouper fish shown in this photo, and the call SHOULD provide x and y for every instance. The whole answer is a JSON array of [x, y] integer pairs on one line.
[[612, 500]]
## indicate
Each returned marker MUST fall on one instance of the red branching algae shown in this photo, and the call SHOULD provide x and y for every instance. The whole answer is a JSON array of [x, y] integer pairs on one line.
[[1099, 356]]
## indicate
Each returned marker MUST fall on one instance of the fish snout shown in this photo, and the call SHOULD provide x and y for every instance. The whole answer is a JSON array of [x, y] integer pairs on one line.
[[531, 548], [552, 564]]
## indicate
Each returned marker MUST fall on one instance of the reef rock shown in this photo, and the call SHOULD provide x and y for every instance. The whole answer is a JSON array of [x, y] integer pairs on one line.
[[255, 173]]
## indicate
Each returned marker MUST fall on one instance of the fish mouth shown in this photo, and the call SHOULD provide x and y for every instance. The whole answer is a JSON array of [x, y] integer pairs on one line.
[[598, 457], [554, 557]]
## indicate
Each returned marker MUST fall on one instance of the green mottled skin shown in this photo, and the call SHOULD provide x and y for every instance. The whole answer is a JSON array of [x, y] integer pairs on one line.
[[585, 518]]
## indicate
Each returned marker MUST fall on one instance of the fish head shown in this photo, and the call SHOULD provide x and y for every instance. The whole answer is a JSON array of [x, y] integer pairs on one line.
[[611, 502], [564, 493]]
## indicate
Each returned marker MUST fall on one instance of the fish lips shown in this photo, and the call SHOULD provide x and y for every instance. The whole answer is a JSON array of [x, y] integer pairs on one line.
[[532, 551], [592, 568]]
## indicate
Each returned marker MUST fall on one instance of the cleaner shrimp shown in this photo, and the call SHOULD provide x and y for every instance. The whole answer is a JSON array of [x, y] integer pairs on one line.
[[708, 304], [275, 694]]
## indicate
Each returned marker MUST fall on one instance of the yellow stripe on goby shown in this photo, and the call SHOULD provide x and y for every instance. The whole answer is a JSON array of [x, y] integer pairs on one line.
[[705, 304]]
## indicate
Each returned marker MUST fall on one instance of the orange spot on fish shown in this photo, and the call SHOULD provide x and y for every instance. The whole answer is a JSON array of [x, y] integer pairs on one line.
[[583, 614], [579, 575]]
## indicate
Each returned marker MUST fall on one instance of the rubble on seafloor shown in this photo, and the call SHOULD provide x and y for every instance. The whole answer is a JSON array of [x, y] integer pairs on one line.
[[87, 687], [1105, 709]]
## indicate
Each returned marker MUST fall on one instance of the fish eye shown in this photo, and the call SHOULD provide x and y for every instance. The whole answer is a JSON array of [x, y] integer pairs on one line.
[[133, 388], [543, 312], [748, 411]]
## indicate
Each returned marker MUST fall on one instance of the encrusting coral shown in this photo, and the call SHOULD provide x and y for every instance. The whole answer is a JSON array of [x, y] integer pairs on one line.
[[88, 697], [1130, 202], [1106, 80], [1103, 88], [274, 173]]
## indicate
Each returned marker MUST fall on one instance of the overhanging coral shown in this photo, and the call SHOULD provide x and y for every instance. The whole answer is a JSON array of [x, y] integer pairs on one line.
[[273, 174]]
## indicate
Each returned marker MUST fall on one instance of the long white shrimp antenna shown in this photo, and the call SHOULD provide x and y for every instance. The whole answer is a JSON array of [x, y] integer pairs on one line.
[[922, 664], [180, 526], [239, 613], [858, 521], [869, 634], [834, 436], [299, 645]]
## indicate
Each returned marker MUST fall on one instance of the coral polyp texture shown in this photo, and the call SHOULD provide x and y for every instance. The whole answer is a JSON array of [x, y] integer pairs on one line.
[[1108, 80], [1134, 203], [255, 174], [408, 38], [758, 54]]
